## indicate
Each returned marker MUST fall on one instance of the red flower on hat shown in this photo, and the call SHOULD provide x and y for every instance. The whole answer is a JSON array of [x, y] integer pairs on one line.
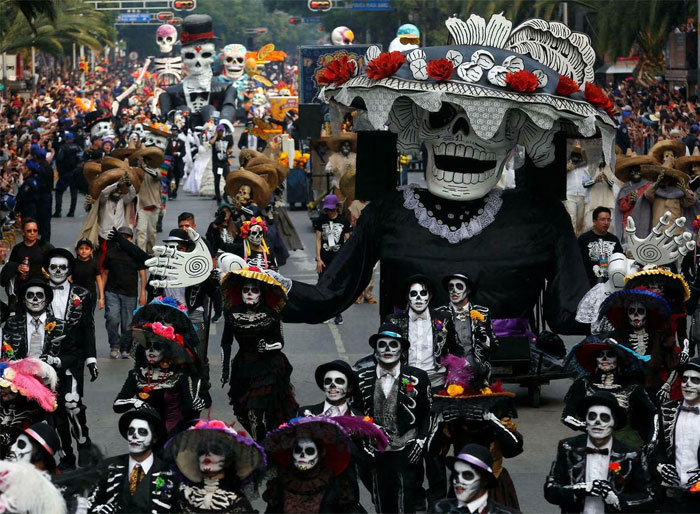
[[385, 65], [566, 86], [337, 72], [440, 69], [522, 81], [598, 98]]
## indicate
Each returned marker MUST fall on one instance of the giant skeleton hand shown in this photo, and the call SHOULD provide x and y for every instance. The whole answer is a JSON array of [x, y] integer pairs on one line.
[[660, 246], [180, 269]]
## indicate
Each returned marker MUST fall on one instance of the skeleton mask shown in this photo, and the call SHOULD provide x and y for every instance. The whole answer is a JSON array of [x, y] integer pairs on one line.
[[35, 300], [305, 453], [335, 385], [457, 288], [250, 293], [139, 436], [388, 350], [607, 361], [345, 148], [243, 195], [166, 35], [637, 315], [59, 270], [154, 352], [690, 386], [599, 422], [234, 61], [139, 131], [635, 174], [150, 139], [211, 463], [461, 165], [259, 99], [198, 59], [102, 129], [466, 481], [255, 236], [418, 298], [21, 450]]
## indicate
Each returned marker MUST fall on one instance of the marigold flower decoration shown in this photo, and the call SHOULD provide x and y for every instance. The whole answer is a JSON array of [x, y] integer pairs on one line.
[[440, 69], [337, 72], [522, 81], [566, 86], [598, 98], [48, 327], [7, 350], [385, 65], [476, 315], [368, 419], [247, 225], [615, 467], [283, 159], [695, 488], [455, 389]]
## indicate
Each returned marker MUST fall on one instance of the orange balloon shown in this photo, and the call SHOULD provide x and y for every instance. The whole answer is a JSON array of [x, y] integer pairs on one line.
[[251, 65]]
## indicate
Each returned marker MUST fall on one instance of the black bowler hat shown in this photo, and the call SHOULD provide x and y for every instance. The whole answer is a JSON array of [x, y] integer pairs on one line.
[[47, 439], [478, 456], [336, 365], [149, 415], [37, 282], [197, 28], [470, 285], [94, 116], [608, 400], [59, 252], [392, 331]]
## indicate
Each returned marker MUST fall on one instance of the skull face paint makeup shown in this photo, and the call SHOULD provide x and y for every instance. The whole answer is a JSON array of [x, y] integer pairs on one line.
[[457, 288], [335, 385], [154, 352], [305, 453], [690, 386], [466, 481], [418, 298], [21, 450], [211, 463], [388, 350], [59, 270], [35, 300], [599, 422], [637, 315], [607, 361], [255, 236], [139, 436], [250, 293]]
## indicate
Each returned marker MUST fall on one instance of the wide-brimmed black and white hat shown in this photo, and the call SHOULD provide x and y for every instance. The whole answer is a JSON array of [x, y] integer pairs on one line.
[[489, 68]]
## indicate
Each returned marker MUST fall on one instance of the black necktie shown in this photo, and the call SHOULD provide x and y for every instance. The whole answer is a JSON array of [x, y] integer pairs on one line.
[[599, 451], [57, 288], [694, 410]]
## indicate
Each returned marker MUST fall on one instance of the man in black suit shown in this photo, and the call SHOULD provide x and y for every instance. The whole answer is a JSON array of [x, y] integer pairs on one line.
[[398, 397], [338, 381], [595, 471], [138, 481]]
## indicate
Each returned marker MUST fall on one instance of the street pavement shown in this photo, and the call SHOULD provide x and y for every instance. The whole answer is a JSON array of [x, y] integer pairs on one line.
[[307, 346]]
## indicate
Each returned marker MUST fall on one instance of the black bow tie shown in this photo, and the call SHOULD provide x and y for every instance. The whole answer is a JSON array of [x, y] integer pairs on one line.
[[694, 410], [57, 288], [599, 451]]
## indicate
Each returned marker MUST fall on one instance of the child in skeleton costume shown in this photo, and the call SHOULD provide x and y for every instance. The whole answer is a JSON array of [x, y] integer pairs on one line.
[[309, 457], [605, 365], [167, 375], [628, 169], [26, 490], [594, 472], [217, 464], [398, 398], [576, 191], [472, 477], [261, 393], [71, 308], [471, 323], [463, 413], [199, 92], [137, 481], [27, 396]]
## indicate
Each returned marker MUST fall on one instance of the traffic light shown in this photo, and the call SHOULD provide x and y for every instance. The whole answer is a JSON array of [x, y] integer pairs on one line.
[[295, 20], [175, 21], [165, 16], [319, 5], [184, 5], [84, 66]]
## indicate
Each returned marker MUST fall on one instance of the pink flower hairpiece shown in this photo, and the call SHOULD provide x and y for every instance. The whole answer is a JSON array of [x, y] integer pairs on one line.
[[165, 331]]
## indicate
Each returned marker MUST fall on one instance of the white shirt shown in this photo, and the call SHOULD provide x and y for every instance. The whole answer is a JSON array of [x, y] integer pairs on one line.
[[596, 469], [112, 213], [341, 408], [33, 351], [59, 303], [575, 179], [420, 334], [387, 382], [476, 504], [687, 439], [145, 465]]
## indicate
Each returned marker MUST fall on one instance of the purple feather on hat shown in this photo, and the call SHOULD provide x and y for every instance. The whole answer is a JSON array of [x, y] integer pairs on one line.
[[458, 371], [357, 426]]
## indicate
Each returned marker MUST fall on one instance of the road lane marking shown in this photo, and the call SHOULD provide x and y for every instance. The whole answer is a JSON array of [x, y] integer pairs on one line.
[[338, 341]]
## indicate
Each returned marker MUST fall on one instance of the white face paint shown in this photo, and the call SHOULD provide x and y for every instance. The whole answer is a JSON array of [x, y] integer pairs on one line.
[[197, 59], [637, 315], [150, 139], [461, 165], [154, 352], [35, 299], [234, 61], [690, 386], [305, 453], [607, 361], [418, 298], [58, 270], [457, 288], [255, 236], [166, 36], [140, 131], [335, 385], [466, 481], [599, 422], [139, 436], [250, 293], [21, 450], [211, 463], [102, 129], [388, 350]]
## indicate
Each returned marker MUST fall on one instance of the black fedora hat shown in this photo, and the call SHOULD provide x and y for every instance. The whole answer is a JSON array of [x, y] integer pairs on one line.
[[693, 364], [470, 285], [389, 330], [147, 414], [59, 252], [197, 28], [608, 400], [336, 365], [94, 116], [46, 437], [478, 456], [37, 282]]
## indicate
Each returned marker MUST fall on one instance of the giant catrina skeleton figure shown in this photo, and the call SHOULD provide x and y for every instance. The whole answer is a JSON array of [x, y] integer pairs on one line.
[[470, 103]]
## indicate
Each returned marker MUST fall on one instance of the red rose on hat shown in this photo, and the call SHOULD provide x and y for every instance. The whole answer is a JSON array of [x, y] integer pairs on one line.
[[598, 98], [337, 72], [385, 65], [440, 69], [566, 86], [522, 81]]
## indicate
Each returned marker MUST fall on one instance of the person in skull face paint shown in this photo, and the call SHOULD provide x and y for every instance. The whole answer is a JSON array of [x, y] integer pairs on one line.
[[254, 248], [221, 146], [38, 445], [595, 472]]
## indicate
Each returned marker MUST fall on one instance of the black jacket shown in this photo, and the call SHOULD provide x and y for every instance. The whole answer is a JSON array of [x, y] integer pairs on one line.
[[450, 506], [666, 448], [443, 333], [317, 410], [222, 97], [79, 326], [14, 333]]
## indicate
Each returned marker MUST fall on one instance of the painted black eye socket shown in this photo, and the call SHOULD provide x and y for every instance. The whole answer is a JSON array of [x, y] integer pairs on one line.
[[143, 432], [206, 55], [21, 444], [189, 55], [441, 118], [467, 475]]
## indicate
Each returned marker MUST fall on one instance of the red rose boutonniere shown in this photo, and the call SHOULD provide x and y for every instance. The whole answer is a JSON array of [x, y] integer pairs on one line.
[[76, 300], [337, 72], [440, 69], [566, 86], [385, 65], [522, 81], [614, 467]]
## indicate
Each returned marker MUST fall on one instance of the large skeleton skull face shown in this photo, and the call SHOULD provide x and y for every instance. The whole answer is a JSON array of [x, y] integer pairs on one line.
[[418, 298], [335, 385], [690, 386], [59, 270], [305, 453], [599, 422], [461, 165], [607, 361], [139, 436], [637, 315], [234, 61], [21, 450], [388, 350], [466, 481], [255, 236], [35, 300], [102, 129], [166, 35], [151, 139], [198, 58]]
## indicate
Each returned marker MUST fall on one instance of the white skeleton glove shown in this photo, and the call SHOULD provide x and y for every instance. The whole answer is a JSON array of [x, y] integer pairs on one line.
[[694, 476], [51, 360], [415, 450], [660, 246], [574, 423], [669, 475], [180, 269]]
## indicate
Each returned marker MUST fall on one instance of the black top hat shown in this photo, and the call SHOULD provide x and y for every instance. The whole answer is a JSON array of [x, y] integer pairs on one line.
[[693, 364], [59, 252], [94, 116], [336, 365], [389, 330], [197, 28], [47, 439], [147, 414], [37, 282], [478, 456], [470, 285], [607, 399]]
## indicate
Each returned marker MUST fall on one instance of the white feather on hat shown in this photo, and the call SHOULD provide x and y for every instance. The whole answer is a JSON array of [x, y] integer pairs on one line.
[[25, 489]]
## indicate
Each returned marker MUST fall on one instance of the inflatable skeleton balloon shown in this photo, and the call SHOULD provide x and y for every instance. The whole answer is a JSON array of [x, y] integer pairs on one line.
[[342, 36]]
